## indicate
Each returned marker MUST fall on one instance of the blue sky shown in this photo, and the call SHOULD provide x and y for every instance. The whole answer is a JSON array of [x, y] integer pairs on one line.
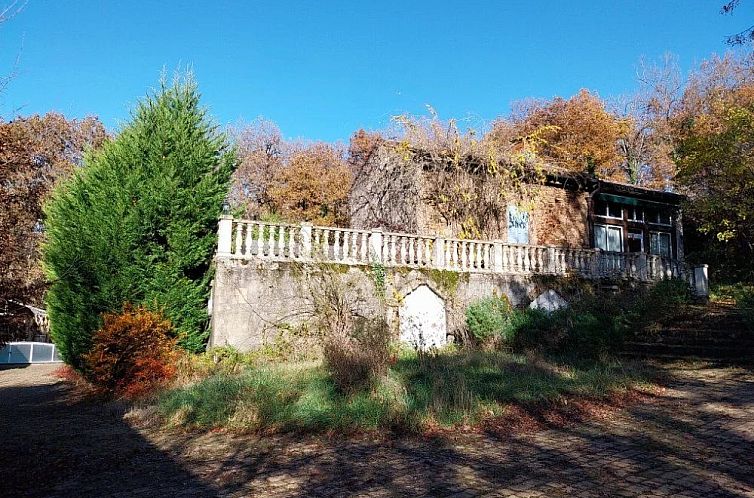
[[324, 69]]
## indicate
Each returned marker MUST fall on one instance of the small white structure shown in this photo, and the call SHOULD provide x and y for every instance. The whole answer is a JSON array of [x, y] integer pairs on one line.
[[422, 319], [29, 352], [549, 301]]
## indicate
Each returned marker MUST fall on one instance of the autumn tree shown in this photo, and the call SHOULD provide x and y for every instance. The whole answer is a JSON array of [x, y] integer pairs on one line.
[[714, 151], [289, 179], [36, 153], [581, 133], [262, 151], [313, 186], [646, 144]]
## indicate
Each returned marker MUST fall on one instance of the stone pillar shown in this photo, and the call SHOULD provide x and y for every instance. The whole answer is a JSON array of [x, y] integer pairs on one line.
[[497, 257], [438, 258], [224, 236], [701, 281], [375, 245], [306, 240]]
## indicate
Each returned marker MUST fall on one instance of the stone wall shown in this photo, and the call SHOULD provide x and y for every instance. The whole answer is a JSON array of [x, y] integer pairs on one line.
[[253, 300]]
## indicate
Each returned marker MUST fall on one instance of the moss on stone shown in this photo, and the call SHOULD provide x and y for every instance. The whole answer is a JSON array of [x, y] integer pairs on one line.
[[446, 280]]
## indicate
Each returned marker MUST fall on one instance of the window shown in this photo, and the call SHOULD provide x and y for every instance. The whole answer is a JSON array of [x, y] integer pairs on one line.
[[608, 210], [658, 217], [635, 214], [608, 238], [659, 243], [518, 225], [635, 241]]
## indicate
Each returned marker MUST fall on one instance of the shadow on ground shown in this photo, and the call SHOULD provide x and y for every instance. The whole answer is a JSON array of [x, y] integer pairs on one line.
[[56, 444], [695, 439]]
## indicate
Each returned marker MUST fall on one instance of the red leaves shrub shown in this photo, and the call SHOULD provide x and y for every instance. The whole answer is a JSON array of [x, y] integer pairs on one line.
[[134, 353]]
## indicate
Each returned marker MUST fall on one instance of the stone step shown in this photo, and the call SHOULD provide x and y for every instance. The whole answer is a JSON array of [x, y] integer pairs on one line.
[[684, 350], [699, 340], [745, 360], [732, 335]]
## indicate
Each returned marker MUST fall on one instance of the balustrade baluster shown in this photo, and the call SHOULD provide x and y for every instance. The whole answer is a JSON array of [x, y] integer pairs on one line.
[[281, 242], [247, 245], [237, 249], [336, 245], [364, 247], [346, 245], [270, 240]]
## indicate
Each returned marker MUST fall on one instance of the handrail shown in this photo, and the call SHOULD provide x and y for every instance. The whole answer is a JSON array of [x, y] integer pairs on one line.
[[255, 239]]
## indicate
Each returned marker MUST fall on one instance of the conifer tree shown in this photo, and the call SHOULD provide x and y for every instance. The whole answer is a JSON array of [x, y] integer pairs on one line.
[[137, 224]]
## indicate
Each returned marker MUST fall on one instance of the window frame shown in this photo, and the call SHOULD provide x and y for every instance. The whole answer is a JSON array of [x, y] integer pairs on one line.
[[609, 206], [607, 228], [659, 234], [633, 210]]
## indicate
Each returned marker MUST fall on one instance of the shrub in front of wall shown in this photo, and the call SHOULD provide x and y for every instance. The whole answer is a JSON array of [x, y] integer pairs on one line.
[[533, 329], [138, 223], [487, 318], [356, 359], [133, 354]]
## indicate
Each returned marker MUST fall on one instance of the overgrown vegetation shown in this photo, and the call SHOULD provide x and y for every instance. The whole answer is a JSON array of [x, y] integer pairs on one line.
[[593, 325], [138, 223], [448, 388]]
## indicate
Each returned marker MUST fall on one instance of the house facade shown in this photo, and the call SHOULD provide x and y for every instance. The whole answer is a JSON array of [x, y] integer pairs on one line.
[[565, 210]]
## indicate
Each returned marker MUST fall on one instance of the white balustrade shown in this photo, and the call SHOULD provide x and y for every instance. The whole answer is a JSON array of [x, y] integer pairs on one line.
[[247, 239]]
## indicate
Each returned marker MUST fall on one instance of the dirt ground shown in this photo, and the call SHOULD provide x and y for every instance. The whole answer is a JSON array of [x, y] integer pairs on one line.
[[695, 439]]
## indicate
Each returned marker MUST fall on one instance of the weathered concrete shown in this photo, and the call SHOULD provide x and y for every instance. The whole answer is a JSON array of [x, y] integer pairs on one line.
[[254, 299]]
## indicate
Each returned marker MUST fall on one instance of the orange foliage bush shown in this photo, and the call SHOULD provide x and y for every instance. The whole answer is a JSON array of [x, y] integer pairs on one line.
[[134, 353]]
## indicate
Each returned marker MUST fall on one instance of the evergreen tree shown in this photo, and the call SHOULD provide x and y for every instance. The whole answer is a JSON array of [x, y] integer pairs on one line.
[[137, 224]]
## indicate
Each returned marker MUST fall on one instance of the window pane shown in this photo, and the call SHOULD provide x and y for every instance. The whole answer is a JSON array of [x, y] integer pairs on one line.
[[600, 208], [665, 244], [659, 243], [651, 215], [664, 218], [600, 237], [615, 211], [614, 242], [636, 214]]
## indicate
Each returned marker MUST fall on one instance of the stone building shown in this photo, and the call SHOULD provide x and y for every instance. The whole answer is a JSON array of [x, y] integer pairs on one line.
[[565, 210]]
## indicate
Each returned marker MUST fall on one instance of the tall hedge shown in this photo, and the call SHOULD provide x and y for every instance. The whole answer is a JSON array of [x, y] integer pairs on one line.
[[137, 224]]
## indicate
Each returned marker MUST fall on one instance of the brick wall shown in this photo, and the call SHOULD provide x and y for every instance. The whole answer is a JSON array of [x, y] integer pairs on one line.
[[393, 195], [560, 217]]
